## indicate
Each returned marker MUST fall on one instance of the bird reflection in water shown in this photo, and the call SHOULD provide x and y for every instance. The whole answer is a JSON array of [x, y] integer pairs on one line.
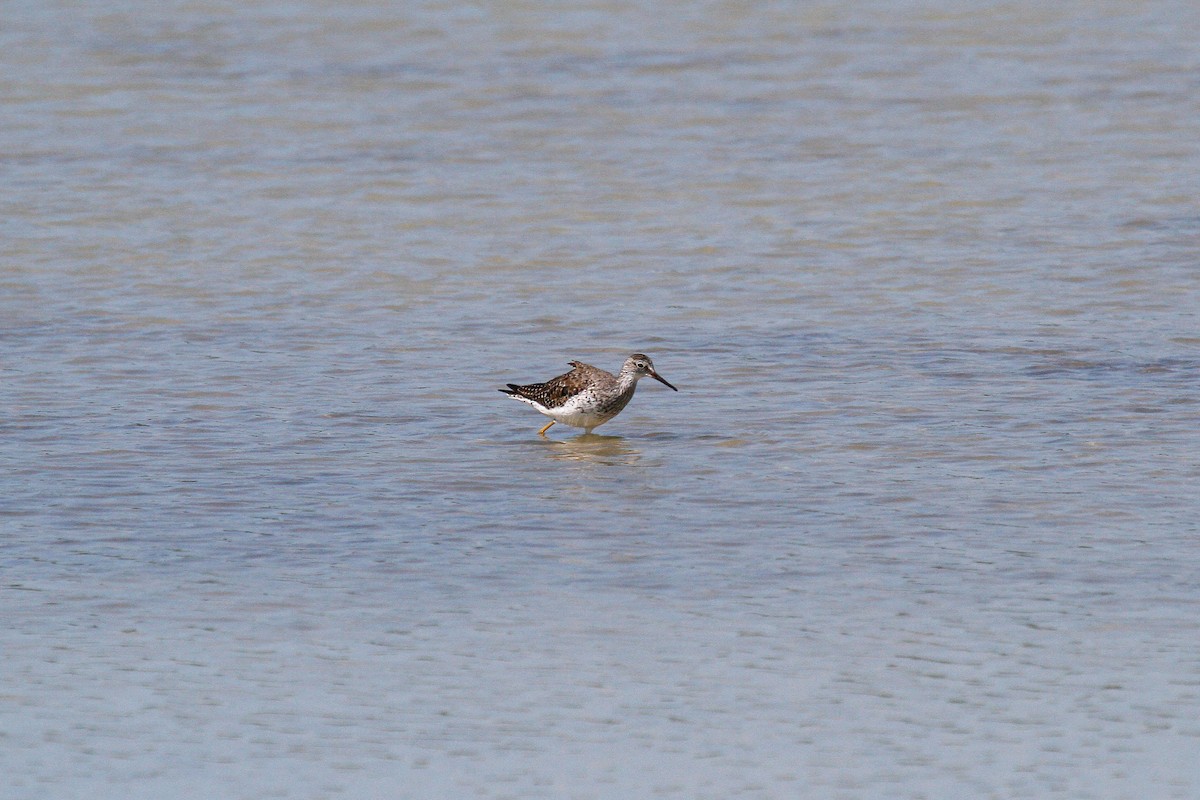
[[592, 448]]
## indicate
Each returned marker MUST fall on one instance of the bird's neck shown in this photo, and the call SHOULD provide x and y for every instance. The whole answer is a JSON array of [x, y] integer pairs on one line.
[[627, 380]]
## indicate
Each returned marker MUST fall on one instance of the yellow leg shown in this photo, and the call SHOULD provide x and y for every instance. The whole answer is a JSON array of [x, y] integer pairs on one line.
[[542, 432]]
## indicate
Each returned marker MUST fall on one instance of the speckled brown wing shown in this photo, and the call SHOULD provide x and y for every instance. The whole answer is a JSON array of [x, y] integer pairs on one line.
[[556, 391]]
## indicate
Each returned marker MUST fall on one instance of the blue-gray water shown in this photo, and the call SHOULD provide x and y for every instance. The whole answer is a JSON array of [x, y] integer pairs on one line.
[[921, 522]]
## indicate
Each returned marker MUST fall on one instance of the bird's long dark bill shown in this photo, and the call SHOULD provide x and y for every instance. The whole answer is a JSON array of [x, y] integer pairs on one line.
[[661, 379]]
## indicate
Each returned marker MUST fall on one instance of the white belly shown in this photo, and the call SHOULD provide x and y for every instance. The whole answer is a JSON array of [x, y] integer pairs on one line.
[[581, 411], [575, 417]]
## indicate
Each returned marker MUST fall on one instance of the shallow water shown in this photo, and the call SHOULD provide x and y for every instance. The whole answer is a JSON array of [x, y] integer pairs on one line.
[[920, 521]]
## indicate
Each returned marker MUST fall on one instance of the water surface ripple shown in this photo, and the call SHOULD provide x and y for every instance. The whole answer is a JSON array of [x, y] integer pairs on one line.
[[921, 521]]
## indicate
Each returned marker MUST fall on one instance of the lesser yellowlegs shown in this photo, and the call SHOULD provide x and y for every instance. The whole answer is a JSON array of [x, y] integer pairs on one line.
[[586, 397]]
